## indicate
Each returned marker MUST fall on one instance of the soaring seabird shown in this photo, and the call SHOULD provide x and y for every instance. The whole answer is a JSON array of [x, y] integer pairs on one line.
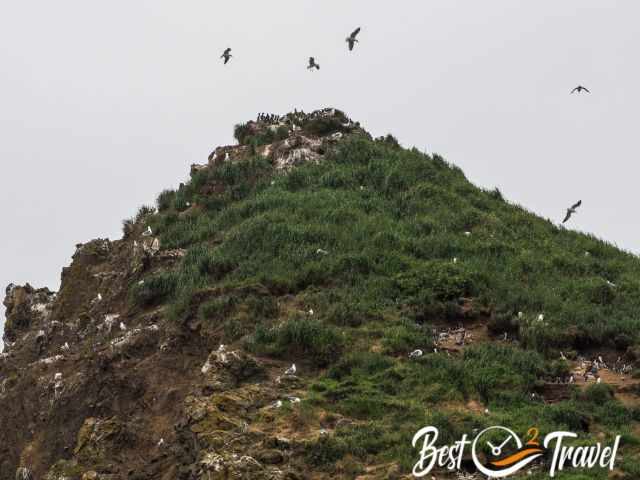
[[571, 211], [580, 89], [313, 64], [226, 55], [351, 39]]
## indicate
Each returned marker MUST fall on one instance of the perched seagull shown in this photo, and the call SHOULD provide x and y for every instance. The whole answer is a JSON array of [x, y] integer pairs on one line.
[[313, 64], [226, 55], [572, 210], [416, 353], [351, 39], [580, 89], [291, 370], [148, 232]]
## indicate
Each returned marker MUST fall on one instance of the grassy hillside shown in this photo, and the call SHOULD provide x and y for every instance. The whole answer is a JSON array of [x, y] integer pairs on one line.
[[347, 266]]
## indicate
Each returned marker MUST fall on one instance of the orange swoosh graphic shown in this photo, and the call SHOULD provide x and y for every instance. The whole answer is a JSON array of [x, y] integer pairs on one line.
[[510, 460]]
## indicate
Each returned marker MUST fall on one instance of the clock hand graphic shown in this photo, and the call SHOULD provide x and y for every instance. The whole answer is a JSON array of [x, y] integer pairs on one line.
[[497, 451]]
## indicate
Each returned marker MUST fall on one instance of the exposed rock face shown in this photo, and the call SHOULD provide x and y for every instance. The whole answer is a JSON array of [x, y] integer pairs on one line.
[[92, 387], [297, 138]]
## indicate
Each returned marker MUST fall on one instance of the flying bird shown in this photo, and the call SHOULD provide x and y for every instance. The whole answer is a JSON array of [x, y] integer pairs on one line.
[[226, 55], [580, 89], [571, 211], [313, 64], [351, 39]]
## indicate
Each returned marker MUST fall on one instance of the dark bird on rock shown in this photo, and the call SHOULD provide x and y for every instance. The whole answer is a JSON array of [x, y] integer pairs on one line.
[[351, 39], [570, 211], [227, 55], [313, 64], [580, 89]]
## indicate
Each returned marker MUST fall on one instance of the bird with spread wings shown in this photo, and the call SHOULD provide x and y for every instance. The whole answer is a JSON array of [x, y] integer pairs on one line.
[[226, 55], [313, 64], [351, 39], [571, 210], [580, 89]]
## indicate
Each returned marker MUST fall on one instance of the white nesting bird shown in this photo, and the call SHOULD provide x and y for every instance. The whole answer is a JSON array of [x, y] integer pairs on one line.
[[541, 317], [294, 400], [322, 252], [161, 442], [311, 311], [278, 404], [291, 370], [520, 314], [99, 297], [122, 326], [416, 353], [148, 232]]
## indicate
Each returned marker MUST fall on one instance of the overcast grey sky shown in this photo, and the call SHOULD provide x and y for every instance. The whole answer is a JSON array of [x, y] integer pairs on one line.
[[104, 104]]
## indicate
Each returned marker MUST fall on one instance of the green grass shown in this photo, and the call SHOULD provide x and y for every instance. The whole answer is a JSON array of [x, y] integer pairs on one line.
[[392, 221], [367, 239]]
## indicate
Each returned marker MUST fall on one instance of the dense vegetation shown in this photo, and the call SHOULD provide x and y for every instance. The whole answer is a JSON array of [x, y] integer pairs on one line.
[[350, 262]]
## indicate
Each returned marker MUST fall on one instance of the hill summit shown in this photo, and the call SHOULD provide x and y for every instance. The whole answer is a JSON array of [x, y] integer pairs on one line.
[[305, 303]]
